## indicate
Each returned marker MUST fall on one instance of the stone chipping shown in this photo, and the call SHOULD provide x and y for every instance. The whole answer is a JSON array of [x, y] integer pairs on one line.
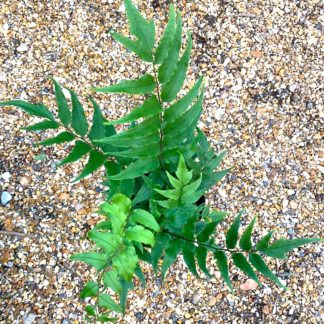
[[262, 62]]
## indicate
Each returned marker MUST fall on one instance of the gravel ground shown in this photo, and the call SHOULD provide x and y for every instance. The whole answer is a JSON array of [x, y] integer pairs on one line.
[[264, 104]]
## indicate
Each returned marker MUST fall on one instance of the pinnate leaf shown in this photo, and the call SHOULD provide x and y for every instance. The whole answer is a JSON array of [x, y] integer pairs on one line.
[[90, 289], [138, 233], [162, 240], [79, 120], [140, 28], [245, 241], [32, 109], [111, 280], [171, 253], [80, 149], [96, 260], [232, 234], [188, 251], [143, 85], [201, 255], [174, 85], [125, 262], [145, 218], [109, 242], [221, 260], [47, 124], [98, 129], [150, 107], [58, 139], [96, 160], [165, 43], [281, 247], [167, 68], [105, 301], [137, 169], [258, 263], [264, 241], [240, 261], [64, 113]]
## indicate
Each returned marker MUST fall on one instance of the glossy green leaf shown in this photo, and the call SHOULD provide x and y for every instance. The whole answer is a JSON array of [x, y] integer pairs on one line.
[[169, 65], [90, 289], [138, 233], [105, 301], [208, 230], [171, 254], [98, 129], [140, 275], [32, 109], [143, 85], [145, 218], [116, 216], [232, 234], [264, 241], [95, 161], [145, 151], [90, 310], [201, 255], [179, 107], [188, 252], [258, 263], [214, 163], [79, 120], [221, 260], [47, 124], [64, 113], [107, 241], [123, 202], [80, 149], [162, 240], [174, 85], [137, 169], [150, 107], [182, 172], [125, 263], [126, 286], [96, 260], [166, 41], [209, 179], [240, 261], [134, 46], [245, 241], [281, 247], [148, 127], [58, 139], [111, 280], [140, 28]]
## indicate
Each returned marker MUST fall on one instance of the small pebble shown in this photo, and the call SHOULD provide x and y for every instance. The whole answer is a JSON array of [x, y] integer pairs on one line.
[[22, 48], [6, 176], [5, 198]]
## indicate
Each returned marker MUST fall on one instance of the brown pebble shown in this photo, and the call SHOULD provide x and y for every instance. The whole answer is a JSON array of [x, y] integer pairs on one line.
[[212, 301], [25, 181]]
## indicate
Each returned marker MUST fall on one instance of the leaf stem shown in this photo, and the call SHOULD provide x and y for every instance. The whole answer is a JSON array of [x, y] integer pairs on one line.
[[69, 129], [161, 116], [208, 246]]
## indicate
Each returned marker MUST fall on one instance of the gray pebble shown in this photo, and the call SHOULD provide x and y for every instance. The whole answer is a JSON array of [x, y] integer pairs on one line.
[[29, 318]]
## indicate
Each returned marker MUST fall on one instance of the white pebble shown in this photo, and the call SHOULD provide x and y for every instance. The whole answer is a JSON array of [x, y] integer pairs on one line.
[[22, 48], [6, 176]]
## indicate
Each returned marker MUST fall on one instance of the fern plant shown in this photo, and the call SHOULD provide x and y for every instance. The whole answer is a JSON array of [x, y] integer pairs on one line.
[[158, 168]]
